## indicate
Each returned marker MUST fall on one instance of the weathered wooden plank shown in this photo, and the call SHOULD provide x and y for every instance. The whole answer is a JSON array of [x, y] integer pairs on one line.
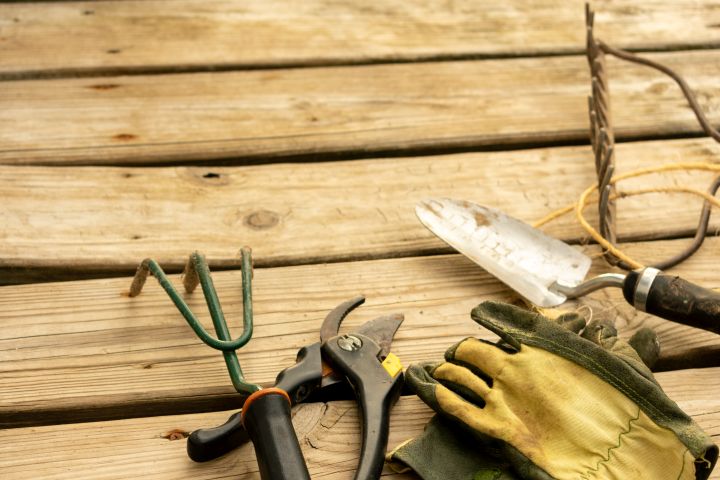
[[71, 38], [81, 350], [329, 435], [360, 110], [104, 220]]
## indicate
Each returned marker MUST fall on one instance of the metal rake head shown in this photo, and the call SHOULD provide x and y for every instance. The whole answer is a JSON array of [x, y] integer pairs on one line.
[[602, 139]]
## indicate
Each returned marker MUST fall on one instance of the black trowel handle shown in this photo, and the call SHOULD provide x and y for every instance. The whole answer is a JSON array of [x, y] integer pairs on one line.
[[673, 298]]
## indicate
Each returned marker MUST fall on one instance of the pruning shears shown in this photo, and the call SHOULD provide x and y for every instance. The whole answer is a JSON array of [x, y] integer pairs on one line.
[[361, 359]]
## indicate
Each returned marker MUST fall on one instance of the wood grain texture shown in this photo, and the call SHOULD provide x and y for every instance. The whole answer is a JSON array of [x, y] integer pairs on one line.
[[329, 435], [104, 220], [70, 38], [78, 351], [360, 110]]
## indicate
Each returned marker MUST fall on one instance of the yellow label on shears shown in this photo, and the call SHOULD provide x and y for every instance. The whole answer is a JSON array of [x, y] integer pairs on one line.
[[392, 365]]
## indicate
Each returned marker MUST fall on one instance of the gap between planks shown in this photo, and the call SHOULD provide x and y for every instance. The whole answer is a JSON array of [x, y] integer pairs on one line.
[[82, 351], [329, 436]]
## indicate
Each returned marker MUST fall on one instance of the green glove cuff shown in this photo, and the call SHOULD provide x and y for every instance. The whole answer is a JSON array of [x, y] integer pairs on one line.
[[441, 452]]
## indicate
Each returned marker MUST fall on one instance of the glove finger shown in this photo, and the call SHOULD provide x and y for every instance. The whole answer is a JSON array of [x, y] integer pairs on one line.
[[645, 342], [506, 320], [601, 332], [572, 321], [484, 358], [643, 345], [463, 382], [421, 383], [439, 397]]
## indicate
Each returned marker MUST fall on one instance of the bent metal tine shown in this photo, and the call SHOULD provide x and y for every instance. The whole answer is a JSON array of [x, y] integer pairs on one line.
[[602, 139], [197, 271]]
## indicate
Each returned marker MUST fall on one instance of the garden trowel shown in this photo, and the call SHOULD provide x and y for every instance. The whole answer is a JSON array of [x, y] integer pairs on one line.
[[547, 271]]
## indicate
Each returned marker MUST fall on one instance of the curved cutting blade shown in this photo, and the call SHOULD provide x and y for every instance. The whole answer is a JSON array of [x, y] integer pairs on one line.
[[331, 324], [382, 330], [522, 257]]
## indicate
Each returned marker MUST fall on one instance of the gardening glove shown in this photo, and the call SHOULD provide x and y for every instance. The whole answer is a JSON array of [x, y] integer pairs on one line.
[[553, 405], [445, 451]]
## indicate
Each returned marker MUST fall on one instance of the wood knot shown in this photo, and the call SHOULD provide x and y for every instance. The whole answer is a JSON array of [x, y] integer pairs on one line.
[[175, 434], [104, 86], [261, 220], [658, 88], [125, 137], [209, 177]]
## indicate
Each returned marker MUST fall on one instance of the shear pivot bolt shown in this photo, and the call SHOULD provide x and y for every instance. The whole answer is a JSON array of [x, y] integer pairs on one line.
[[349, 343]]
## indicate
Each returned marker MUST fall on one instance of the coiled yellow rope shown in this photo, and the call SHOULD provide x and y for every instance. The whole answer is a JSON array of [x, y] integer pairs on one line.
[[583, 201]]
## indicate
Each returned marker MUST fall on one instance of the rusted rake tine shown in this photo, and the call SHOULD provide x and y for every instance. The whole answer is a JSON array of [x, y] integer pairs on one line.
[[190, 276], [592, 117]]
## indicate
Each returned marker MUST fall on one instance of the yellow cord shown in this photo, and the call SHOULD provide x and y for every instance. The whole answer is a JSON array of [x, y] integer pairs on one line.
[[583, 201]]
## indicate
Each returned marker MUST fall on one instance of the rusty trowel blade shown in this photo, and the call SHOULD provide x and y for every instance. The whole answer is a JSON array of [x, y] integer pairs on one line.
[[522, 257]]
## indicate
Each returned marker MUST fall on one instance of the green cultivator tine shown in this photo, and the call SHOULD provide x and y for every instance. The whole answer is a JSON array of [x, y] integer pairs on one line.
[[197, 271]]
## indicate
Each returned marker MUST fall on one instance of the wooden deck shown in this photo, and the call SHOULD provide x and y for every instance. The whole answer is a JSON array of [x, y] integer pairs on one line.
[[307, 130]]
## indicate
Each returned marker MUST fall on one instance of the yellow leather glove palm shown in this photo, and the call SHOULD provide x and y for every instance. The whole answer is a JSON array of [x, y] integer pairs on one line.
[[557, 406]]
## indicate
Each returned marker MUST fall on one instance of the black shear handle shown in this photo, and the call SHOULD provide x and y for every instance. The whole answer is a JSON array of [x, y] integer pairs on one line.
[[377, 392], [267, 420], [375, 406]]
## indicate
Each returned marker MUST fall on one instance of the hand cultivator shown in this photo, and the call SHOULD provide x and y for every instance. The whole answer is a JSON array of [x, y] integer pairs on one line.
[[359, 364]]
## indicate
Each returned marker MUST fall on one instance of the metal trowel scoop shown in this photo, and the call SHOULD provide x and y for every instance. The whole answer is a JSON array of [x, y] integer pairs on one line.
[[547, 271]]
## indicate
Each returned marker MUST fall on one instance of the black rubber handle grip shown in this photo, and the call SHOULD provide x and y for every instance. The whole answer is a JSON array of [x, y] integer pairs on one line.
[[300, 381], [678, 300], [268, 423], [210, 443]]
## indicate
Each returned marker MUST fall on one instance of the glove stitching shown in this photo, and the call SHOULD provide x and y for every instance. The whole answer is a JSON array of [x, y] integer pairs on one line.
[[630, 393], [610, 449], [683, 465], [627, 390]]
